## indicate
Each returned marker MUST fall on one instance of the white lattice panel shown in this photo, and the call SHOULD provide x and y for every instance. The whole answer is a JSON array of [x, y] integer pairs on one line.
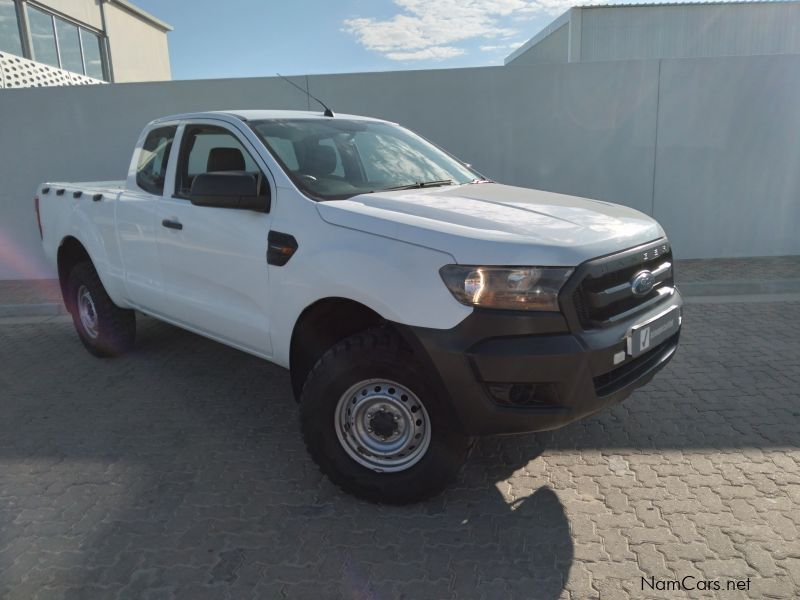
[[18, 72]]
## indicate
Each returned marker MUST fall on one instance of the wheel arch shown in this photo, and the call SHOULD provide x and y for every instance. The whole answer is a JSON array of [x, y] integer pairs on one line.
[[326, 321], [70, 252], [319, 327]]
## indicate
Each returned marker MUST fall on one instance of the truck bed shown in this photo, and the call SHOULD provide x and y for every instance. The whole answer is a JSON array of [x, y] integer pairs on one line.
[[87, 187]]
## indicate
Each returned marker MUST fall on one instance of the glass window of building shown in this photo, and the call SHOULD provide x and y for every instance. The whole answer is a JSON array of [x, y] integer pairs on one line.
[[69, 46], [10, 40], [92, 55], [43, 38]]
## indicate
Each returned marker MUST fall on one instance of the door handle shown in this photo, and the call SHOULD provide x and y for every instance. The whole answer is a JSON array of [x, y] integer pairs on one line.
[[171, 224]]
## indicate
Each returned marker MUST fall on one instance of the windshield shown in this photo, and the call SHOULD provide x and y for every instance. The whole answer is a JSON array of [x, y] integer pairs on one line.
[[334, 159]]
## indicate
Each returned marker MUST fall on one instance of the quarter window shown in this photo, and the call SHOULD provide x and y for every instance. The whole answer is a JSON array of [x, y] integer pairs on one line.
[[151, 169]]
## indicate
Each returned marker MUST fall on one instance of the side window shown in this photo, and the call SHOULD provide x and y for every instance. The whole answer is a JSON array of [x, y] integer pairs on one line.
[[209, 149], [151, 168]]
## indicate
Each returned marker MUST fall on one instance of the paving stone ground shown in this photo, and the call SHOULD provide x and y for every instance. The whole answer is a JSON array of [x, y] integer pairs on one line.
[[178, 472]]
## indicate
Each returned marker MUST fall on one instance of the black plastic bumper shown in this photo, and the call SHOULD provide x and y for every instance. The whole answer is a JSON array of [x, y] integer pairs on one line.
[[518, 372]]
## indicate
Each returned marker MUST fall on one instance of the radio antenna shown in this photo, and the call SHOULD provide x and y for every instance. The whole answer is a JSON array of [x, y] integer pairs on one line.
[[328, 112]]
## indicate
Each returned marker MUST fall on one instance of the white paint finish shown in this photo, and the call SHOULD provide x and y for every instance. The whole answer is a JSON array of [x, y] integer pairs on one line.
[[137, 219], [90, 222], [494, 224], [396, 279], [214, 272], [212, 276]]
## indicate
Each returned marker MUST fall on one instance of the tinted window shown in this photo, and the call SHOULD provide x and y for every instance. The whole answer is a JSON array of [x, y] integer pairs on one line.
[[9, 28], [43, 36], [152, 167], [207, 149]]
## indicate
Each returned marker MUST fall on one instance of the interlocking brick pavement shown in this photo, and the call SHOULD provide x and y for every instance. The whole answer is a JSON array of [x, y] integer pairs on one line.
[[178, 472], [759, 268]]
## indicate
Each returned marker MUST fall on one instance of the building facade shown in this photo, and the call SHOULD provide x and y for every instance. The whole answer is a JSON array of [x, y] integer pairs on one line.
[[653, 31], [69, 42]]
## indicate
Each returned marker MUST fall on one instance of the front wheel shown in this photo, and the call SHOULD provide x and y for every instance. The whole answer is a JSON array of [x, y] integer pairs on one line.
[[374, 425]]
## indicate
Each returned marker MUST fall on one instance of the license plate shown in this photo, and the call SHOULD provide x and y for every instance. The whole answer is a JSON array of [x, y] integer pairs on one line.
[[651, 333]]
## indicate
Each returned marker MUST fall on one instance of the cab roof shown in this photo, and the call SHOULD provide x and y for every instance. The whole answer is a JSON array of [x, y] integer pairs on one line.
[[255, 115]]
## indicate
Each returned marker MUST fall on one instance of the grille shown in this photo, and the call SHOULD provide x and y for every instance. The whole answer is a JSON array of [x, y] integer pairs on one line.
[[604, 295]]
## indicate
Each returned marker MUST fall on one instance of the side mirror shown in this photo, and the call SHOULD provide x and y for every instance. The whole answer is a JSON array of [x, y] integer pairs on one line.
[[229, 190]]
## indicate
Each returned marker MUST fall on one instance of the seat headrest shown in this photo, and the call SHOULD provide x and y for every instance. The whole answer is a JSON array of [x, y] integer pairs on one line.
[[320, 161], [225, 159]]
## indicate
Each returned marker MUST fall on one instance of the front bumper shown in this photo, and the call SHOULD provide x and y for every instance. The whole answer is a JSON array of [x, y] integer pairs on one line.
[[510, 372]]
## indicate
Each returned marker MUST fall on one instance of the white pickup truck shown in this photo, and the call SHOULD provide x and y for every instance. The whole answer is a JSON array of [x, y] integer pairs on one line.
[[415, 303]]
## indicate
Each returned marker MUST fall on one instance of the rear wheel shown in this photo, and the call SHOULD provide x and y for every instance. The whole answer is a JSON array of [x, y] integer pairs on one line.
[[373, 424], [104, 328]]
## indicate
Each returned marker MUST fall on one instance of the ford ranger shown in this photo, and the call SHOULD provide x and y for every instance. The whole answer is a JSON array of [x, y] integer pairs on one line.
[[415, 303]]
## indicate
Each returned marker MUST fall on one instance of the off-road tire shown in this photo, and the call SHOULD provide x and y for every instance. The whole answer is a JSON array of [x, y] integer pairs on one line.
[[378, 353]]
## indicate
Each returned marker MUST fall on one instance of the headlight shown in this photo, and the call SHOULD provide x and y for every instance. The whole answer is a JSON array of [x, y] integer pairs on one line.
[[513, 288]]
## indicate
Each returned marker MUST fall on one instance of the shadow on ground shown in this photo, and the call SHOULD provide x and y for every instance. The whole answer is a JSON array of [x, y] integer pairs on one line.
[[178, 471]]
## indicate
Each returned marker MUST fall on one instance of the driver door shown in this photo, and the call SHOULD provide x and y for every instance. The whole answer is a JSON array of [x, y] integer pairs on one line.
[[213, 260]]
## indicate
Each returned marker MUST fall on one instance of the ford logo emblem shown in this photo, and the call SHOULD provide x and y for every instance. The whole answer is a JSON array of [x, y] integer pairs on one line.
[[642, 283]]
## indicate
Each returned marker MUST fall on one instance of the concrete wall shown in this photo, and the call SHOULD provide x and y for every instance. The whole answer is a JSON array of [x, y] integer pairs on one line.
[[727, 179], [139, 51], [709, 146]]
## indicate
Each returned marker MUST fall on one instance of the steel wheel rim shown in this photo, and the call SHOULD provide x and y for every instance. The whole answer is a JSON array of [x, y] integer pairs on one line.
[[87, 312], [382, 425]]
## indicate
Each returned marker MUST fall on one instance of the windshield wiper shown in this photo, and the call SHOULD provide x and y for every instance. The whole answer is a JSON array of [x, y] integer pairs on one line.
[[421, 184]]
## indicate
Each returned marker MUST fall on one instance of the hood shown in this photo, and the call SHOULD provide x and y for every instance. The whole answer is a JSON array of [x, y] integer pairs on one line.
[[490, 223]]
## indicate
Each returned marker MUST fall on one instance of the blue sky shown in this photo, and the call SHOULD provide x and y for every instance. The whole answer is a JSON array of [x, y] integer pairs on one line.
[[243, 38]]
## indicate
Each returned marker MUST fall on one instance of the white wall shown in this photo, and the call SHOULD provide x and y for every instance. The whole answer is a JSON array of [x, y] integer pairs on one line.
[[728, 158], [708, 145]]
